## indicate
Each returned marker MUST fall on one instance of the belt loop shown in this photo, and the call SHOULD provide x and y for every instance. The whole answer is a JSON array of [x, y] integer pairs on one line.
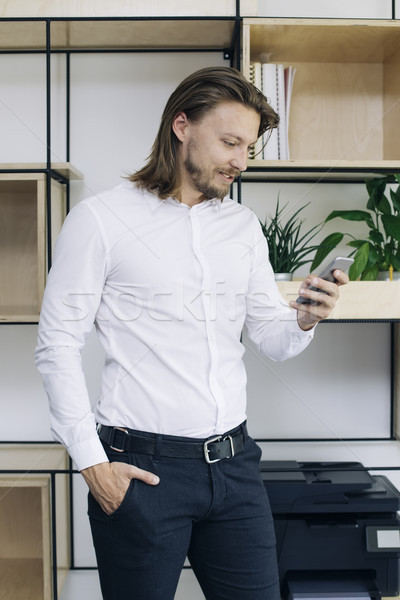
[[158, 446]]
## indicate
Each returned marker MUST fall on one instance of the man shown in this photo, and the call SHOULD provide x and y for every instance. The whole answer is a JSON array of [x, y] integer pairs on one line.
[[170, 270]]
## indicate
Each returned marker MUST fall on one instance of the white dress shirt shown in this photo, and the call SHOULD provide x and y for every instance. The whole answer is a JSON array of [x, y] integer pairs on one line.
[[169, 289]]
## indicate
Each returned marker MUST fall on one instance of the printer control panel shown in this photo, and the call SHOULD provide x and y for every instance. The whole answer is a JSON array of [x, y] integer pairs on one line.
[[383, 538]]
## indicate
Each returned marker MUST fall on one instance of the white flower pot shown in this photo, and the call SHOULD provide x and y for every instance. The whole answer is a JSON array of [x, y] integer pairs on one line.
[[283, 276], [384, 276]]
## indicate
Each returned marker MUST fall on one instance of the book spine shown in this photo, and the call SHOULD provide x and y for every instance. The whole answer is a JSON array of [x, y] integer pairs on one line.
[[270, 138], [256, 80]]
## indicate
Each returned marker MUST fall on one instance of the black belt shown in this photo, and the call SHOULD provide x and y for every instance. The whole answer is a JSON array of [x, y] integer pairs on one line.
[[211, 450]]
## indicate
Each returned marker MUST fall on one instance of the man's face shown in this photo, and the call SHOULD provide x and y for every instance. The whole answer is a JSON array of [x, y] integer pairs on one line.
[[216, 150]]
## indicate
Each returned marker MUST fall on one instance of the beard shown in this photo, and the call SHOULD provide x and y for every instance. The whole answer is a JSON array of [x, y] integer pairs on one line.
[[203, 180]]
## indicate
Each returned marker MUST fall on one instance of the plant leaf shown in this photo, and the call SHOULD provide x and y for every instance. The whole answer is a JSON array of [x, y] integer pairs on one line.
[[356, 243], [374, 257], [360, 262], [370, 273], [391, 225], [376, 189], [376, 236], [384, 206], [395, 262], [288, 245], [395, 197], [326, 246], [351, 215]]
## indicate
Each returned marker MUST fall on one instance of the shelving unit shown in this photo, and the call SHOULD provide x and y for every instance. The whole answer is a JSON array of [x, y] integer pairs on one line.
[[347, 85], [28, 553], [343, 122], [344, 113], [347, 74]]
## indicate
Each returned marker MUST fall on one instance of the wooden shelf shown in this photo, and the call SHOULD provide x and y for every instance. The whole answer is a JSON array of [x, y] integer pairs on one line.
[[23, 234], [351, 170], [325, 40], [358, 299], [346, 88], [124, 34], [25, 521], [66, 169]]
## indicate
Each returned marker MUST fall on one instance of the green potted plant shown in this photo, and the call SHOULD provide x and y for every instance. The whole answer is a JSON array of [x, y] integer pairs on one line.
[[380, 249], [288, 246]]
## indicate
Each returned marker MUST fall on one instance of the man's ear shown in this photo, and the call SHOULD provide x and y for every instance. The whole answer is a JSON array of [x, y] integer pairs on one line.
[[180, 126]]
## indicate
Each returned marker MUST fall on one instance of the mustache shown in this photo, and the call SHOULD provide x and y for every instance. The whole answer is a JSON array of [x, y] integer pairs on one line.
[[233, 172]]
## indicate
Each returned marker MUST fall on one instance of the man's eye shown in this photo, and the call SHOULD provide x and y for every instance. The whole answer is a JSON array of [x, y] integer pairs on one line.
[[229, 144]]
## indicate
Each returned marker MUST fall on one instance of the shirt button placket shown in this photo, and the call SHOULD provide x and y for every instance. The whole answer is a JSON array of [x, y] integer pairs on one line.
[[209, 315]]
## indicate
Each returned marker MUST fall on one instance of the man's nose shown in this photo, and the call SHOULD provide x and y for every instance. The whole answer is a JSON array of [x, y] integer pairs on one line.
[[239, 161]]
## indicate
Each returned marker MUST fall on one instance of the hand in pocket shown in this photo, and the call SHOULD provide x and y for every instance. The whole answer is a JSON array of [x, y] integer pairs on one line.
[[109, 482]]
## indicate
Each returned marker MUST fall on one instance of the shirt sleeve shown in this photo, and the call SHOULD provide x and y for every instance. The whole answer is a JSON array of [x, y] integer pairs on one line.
[[270, 323], [71, 299]]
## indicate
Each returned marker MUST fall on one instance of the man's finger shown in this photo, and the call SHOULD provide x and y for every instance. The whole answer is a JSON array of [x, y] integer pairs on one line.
[[133, 472]]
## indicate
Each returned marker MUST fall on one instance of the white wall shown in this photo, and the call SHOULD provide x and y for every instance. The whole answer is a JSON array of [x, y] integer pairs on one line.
[[338, 388]]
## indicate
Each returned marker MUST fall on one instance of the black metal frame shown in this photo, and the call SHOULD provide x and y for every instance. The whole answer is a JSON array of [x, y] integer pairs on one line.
[[232, 54]]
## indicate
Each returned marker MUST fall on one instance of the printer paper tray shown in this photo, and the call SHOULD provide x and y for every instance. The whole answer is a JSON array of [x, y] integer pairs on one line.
[[335, 585]]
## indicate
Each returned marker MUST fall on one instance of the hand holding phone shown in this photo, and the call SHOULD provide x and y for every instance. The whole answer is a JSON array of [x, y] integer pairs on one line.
[[340, 262]]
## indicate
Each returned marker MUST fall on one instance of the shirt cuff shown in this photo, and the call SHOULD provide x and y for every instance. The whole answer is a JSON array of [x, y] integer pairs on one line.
[[306, 332], [298, 338], [88, 453]]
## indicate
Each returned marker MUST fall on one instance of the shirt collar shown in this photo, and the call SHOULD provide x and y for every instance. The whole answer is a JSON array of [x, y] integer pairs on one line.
[[154, 202]]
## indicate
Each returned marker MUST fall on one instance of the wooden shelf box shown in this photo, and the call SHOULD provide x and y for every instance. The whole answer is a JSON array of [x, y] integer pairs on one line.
[[26, 565], [345, 105], [23, 240]]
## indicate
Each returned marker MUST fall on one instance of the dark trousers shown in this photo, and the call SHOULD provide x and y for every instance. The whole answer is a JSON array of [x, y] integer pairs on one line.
[[216, 514]]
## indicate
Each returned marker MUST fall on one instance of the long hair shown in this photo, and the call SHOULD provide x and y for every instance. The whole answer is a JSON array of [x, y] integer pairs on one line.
[[196, 95]]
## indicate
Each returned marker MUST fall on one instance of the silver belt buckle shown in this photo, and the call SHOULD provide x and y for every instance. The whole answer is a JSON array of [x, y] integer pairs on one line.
[[218, 438]]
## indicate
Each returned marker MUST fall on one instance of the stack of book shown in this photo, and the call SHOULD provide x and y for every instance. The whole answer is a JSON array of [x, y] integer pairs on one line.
[[276, 83]]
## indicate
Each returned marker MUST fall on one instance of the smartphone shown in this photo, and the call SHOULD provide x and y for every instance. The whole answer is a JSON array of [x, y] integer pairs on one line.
[[340, 262]]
